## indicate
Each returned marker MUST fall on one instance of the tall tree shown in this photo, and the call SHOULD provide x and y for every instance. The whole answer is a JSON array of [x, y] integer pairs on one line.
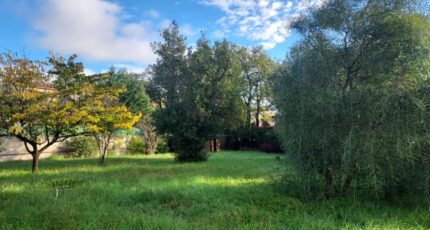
[[256, 68], [42, 108], [134, 97], [195, 91], [170, 66], [137, 101], [353, 98]]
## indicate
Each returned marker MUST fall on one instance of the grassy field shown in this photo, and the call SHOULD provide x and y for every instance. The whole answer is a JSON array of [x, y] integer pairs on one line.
[[233, 190]]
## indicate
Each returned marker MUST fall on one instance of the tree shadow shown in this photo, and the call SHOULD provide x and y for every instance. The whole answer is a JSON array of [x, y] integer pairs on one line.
[[153, 187]]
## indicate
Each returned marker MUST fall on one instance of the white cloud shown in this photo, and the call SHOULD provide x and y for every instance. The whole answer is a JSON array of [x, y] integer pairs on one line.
[[165, 23], [89, 72], [153, 13], [131, 68], [188, 30], [219, 34], [264, 21], [95, 30]]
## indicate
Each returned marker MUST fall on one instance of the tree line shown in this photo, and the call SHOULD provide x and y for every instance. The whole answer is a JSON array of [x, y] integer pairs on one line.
[[192, 96]]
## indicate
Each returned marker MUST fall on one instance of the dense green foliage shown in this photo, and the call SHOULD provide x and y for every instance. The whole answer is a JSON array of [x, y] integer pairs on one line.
[[134, 95], [82, 146], [354, 99], [262, 139], [197, 99], [162, 146], [136, 146], [255, 68], [234, 190]]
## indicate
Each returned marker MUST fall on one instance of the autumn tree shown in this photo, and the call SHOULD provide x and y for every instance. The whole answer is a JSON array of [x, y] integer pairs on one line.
[[41, 107], [107, 114]]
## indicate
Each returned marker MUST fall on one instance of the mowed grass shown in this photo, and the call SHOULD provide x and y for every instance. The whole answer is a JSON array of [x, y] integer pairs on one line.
[[233, 190]]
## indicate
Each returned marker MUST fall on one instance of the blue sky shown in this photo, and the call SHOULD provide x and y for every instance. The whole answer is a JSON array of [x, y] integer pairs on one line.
[[119, 32]]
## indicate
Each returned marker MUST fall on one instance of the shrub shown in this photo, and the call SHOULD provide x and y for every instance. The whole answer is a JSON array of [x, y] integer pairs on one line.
[[188, 156], [136, 146], [263, 139], [189, 148], [162, 146], [149, 134], [268, 141], [82, 146]]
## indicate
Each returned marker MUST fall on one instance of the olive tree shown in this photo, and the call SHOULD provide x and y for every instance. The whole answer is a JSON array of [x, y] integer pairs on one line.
[[353, 98]]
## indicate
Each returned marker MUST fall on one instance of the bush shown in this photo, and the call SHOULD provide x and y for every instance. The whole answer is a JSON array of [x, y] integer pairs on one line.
[[263, 139], [136, 146], [149, 134], [189, 148], [162, 146], [82, 146], [268, 141], [188, 156]]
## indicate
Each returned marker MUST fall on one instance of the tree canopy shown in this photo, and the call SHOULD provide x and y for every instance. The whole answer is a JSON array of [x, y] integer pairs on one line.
[[41, 108], [43, 103], [353, 98], [194, 86]]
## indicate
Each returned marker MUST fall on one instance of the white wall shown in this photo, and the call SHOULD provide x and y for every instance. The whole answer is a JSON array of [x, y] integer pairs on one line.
[[15, 150]]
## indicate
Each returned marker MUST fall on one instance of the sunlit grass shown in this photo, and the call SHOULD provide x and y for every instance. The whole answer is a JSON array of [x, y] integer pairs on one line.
[[233, 190]]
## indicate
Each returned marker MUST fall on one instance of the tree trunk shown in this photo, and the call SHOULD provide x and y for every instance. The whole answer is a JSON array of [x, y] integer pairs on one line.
[[328, 177], [102, 156], [35, 151], [257, 114], [346, 184], [103, 141], [103, 150], [35, 167], [215, 145], [152, 146], [248, 117]]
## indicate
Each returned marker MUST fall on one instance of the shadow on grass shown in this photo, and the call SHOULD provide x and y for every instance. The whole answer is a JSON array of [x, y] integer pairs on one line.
[[216, 194]]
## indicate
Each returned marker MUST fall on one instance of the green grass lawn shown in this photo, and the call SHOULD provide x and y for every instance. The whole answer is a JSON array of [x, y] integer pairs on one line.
[[233, 190]]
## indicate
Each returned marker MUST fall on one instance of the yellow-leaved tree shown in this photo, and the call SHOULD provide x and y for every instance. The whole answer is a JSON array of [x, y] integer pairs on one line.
[[108, 114], [43, 103], [41, 107]]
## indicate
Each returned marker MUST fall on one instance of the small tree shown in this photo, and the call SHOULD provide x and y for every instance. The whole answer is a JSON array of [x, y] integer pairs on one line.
[[42, 108], [108, 115], [149, 134]]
